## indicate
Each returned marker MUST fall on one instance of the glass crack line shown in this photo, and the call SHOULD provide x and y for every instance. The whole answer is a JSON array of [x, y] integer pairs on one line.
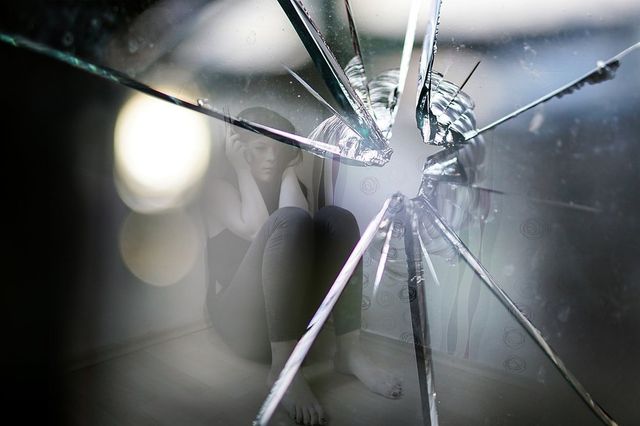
[[605, 70], [315, 147], [355, 42], [383, 258], [333, 75], [429, 49], [407, 48], [427, 256], [555, 203], [454, 240], [318, 97], [419, 316]]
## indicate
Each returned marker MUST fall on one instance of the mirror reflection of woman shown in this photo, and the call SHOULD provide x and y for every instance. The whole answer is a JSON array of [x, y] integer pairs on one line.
[[274, 262]]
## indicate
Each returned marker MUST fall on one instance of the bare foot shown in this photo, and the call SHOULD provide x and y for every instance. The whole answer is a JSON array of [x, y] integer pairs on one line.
[[299, 400], [352, 359]]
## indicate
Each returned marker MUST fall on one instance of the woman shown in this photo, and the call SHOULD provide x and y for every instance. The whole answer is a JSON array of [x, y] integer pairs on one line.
[[275, 263]]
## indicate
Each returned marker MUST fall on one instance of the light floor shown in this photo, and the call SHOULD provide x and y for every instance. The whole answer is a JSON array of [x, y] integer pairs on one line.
[[195, 380]]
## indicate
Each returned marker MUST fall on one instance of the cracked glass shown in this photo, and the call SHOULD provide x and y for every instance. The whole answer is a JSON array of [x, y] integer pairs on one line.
[[487, 152]]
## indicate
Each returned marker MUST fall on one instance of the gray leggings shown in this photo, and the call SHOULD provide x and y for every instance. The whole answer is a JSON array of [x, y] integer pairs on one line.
[[283, 278]]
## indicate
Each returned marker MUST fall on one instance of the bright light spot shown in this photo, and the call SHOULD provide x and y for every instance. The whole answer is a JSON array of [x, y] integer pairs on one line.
[[159, 249], [161, 151]]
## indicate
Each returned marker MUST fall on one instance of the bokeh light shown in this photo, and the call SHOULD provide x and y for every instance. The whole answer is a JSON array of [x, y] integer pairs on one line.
[[159, 249], [161, 152]]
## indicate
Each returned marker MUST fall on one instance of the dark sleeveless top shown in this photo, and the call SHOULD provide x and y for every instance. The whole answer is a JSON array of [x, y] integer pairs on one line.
[[226, 250]]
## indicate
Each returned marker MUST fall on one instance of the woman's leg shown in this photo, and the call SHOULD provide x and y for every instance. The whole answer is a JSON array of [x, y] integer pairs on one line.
[[337, 234], [265, 308], [265, 300]]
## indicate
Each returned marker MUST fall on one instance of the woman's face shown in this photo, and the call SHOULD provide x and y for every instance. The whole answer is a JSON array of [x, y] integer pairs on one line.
[[263, 156]]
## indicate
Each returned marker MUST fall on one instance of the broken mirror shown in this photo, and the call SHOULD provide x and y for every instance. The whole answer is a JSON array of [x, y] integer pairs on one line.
[[497, 225]]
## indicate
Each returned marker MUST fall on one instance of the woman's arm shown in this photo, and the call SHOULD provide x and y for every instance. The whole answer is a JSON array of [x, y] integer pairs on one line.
[[290, 191], [253, 211], [242, 211]]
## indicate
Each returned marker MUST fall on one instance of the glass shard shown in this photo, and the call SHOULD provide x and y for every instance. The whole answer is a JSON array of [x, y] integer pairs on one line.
[[363, 86], [450, 113], [219, 56], [334, 76], [383, 257], [419, 315], [427, 257]]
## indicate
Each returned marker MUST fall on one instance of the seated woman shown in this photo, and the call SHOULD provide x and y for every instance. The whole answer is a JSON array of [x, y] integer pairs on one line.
[[275, 263]]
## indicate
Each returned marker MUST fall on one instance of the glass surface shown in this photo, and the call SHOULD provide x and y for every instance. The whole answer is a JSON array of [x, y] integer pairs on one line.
[[223, 57], [544, 201]]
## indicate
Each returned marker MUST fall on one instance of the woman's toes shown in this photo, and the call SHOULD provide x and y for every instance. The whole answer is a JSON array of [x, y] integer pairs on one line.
[[320, 414], [312, 415], [300, 402], [315, 416], [392, 388], [396, 390], [358, 363], [292, 413], [310, 418]]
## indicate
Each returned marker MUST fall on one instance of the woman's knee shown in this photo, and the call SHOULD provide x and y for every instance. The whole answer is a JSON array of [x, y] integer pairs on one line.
[[337, 221], [289, 218]]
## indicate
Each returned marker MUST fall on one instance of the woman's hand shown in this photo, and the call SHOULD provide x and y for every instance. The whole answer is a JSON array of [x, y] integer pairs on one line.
[[235, 151]]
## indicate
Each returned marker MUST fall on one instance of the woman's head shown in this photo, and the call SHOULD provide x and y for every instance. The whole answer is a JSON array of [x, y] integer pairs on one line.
[[267, 158]]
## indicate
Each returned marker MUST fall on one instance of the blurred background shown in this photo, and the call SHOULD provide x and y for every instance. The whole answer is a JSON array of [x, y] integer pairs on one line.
[[106, 244]]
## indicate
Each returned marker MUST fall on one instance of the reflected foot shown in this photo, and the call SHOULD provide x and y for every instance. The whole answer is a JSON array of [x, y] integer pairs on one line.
[[299, 400], [352, 359]]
